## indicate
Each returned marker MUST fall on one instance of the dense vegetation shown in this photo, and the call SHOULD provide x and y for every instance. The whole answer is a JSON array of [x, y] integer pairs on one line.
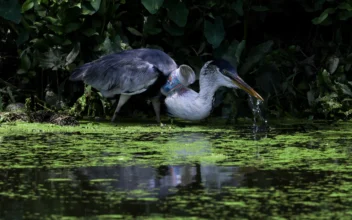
[[296, 54]]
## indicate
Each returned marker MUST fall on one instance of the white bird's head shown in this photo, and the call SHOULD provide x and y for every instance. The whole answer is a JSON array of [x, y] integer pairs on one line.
[[222, 73]]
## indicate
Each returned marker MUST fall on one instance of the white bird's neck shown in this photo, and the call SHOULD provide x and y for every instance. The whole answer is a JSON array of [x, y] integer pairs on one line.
[[207, 89], [208, 85], [190, 105]]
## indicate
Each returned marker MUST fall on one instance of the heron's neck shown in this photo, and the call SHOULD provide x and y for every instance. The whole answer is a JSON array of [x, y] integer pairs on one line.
[[208, 86]]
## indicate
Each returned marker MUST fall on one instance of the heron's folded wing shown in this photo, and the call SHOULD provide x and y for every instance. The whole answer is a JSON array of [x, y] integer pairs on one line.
[[126, 75]]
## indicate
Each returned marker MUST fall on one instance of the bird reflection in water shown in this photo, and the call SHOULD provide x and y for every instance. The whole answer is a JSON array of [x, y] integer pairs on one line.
[[165, 179]]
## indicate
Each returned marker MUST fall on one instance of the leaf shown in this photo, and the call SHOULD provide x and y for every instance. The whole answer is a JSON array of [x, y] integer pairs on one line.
[[333, 63], [238, 7], [221, 50], [179, 14], [51, 20], [90, 32], [255, 55], [56, 29], [201, 48], [345, 5], [53, 39], [214, 32], [21, 71], [10, 10], [105, 47], [110, 46], [261, 49], [211, 15], [345, 15], [327, 21], [240, 49], [325, 76], [72, 27], [31, 17], [323, 16], [41, 12], [231, 53], [67, 42], [345, 89], [173, 30], [52, 59], [320, 19], [260, 8], [134, 31], [27, 5], [90, 8], [40, 44], [310, 97], [152, 5], [150, 25], [318, 4], [25, 62], [1, 107], [73, 54], [349, 58], [103, 8], [95, 4]]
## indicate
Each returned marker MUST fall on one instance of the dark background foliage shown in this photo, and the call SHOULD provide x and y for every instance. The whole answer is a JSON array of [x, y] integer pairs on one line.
[[296, 54]]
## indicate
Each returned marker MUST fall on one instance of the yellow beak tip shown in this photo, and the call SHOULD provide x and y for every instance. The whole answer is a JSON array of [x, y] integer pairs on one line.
[[260, 98]]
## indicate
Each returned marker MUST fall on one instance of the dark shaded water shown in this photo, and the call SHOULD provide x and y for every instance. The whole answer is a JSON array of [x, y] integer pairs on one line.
[[137, 191], [271, 176], [101, 190]]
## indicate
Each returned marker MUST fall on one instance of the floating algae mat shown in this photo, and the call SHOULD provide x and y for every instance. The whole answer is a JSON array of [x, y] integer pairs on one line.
[[193, 171]]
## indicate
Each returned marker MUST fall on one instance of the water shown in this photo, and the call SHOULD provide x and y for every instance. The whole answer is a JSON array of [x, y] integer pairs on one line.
[[260, 124], [131, 190], [132, 171]]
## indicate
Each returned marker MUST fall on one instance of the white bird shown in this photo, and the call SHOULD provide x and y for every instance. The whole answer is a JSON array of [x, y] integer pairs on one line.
[[185, 103]]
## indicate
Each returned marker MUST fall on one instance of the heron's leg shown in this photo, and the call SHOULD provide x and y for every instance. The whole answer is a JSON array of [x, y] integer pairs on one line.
[[123, 99], [156, 106]]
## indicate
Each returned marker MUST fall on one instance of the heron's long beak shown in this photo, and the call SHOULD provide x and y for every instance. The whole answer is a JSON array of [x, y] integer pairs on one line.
[[238, 81]]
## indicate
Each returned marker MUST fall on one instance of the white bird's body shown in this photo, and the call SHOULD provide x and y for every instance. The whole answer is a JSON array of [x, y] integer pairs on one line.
[[187, 104]]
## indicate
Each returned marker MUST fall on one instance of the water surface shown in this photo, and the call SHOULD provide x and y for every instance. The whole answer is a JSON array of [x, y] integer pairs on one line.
[[100, 171]]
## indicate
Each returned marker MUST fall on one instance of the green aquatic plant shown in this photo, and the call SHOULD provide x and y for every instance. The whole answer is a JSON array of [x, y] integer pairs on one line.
[[105, 144], [287, 173]]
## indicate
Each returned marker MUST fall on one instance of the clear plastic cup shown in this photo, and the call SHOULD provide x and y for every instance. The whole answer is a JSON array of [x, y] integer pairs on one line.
[[181, 77]]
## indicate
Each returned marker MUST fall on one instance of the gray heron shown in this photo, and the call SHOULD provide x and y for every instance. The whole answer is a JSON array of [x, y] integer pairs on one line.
[[153, 72], [132, 72], [188, 104]]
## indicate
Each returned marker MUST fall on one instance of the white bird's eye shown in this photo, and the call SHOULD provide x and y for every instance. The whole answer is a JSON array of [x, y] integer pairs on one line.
[[226, 73]]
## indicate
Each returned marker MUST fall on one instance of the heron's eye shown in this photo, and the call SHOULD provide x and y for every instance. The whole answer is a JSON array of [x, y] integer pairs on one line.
[[226, 73]]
